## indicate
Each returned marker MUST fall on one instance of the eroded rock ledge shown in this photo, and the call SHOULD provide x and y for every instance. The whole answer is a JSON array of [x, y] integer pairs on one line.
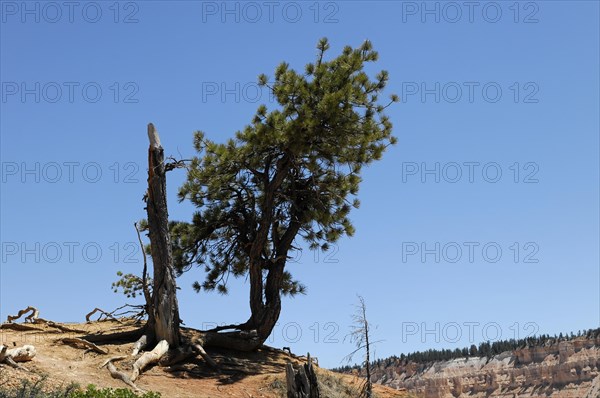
[[566, 369]]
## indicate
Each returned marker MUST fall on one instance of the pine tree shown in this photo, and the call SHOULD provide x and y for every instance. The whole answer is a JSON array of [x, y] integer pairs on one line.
[[473, 350], [293, 172]]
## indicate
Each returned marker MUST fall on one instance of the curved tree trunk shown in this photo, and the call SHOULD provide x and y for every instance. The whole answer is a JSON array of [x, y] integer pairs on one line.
[[265, 300], [272, 305], [165, 311], [265, 307], [265, 297]]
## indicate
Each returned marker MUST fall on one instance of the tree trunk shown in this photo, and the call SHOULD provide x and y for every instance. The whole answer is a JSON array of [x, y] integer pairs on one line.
[[265, 299], [165, 308], [272, 307], [256, 294], [265, 307], [368, 385]]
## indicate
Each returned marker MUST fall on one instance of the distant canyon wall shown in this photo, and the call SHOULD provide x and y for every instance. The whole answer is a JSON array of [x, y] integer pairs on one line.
[[564, 369]]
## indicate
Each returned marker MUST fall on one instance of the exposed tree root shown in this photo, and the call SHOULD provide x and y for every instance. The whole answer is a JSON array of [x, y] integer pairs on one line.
[[15, 365], [140, 344], [116, 374], [81, 343], [240, 340], [20, 327], [58, 326], [128, 336], [176, 368], [177, 355], [149, 358], [160, 355], [205, 356]]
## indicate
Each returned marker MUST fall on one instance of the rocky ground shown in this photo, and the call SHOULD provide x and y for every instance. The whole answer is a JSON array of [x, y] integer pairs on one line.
[[258, 374]]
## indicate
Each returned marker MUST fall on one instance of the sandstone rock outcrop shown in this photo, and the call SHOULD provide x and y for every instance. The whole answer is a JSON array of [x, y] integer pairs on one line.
[[564, 369]]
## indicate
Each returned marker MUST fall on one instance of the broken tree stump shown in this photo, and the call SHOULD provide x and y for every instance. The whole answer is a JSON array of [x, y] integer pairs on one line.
[[19, 354], [165, 310], [140, 345], [302, 383]]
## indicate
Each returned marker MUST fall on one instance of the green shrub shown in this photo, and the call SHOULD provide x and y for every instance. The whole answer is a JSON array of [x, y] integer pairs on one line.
[[92, 392], [37, 389]]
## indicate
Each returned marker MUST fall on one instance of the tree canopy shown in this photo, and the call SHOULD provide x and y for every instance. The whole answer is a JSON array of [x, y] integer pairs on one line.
[[292, 171]]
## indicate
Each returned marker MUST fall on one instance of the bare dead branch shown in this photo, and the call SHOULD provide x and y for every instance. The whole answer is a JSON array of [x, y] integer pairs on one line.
[[176, 164], [133, 311], [145, 288], [81, 343], [34, 314], [35, 319], [102, 312]]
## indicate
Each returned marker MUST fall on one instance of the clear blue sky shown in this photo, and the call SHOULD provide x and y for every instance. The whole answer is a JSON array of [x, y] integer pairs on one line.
[[489, 87]]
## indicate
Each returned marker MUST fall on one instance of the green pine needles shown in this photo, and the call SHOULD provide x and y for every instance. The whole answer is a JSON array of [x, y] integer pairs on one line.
[[295, 171]]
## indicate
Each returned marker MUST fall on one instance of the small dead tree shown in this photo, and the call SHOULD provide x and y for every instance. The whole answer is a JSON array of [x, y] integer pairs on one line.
[[361, 336]]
